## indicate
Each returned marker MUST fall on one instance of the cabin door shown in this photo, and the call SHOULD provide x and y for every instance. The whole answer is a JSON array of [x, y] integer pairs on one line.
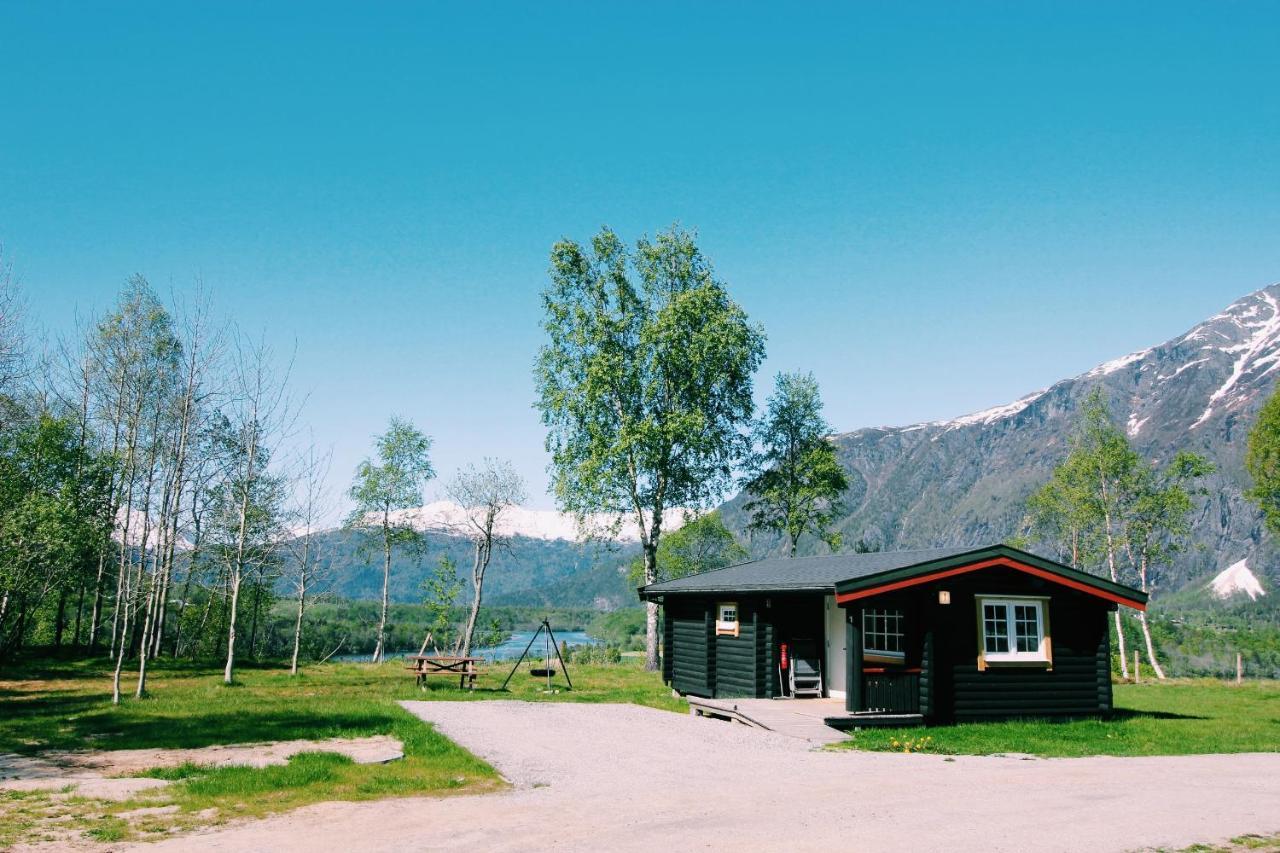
[[833, 665]]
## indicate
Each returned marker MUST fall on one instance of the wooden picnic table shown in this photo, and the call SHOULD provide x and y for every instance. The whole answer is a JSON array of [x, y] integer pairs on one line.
[[463, 667]]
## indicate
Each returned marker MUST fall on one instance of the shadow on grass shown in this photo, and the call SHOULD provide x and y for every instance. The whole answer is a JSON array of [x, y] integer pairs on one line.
[[192, 730], [1130, 714]]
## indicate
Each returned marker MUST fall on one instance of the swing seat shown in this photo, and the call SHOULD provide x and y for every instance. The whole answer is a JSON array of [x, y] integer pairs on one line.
[[542, 673]]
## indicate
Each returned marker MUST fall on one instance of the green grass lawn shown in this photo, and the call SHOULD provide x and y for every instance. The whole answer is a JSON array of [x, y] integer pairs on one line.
[[1172, 718], [65, 704], [52, 704]]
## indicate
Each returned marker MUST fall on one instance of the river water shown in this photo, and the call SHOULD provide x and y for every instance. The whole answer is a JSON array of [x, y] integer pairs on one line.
[[510, 650]]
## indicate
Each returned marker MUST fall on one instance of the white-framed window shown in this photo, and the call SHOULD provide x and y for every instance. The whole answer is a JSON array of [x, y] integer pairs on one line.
[[727, 618], [882, 635], [1013, 629]]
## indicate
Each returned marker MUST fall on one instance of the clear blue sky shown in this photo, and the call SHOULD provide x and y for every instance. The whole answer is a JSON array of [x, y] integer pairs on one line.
[[937, 208]]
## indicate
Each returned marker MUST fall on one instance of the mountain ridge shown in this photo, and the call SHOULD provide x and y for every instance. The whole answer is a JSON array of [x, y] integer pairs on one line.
[[965, 480]]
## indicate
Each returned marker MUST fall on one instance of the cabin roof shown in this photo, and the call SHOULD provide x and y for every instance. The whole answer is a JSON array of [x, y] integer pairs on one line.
[[855, 576], [787, 574]]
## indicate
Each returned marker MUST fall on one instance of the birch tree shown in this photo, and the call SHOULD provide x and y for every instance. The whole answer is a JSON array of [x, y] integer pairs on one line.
[[394, 481], [644, 384], [304, 569], [1157, 525], [484, 493], [250, 499], [1109, 508]]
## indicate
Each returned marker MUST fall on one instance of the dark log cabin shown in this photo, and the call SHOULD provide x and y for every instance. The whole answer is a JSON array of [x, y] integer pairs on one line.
[[940, 635]]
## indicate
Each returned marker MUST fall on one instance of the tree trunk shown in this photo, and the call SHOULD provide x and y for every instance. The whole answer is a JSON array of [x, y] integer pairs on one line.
[[479, 564], [386, 580], [59, 619], [75, 640], [122, 601], [144, 648], [297, 628], [1146, 628], [651, 663], [256, 590], [95, 613], [1115, 578], [1151, 649], [229, 670]]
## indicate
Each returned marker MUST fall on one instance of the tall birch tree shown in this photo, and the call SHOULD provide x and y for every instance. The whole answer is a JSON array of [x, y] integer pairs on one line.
[[644, 384], [250, 506], [393, 481]]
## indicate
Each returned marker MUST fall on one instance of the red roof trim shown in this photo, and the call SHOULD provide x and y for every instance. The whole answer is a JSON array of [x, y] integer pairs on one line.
[[986, 564]]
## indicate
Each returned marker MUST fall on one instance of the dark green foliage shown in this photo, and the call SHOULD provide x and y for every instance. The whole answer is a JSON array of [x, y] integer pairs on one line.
[[798, 482], [699, 546], [622, 628], [551, 573], [54, 513], [1263, 463]]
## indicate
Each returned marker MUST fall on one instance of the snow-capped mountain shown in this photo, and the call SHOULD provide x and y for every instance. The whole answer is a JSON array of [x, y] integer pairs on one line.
[[447, 517], [1235, 580], [965, 480]]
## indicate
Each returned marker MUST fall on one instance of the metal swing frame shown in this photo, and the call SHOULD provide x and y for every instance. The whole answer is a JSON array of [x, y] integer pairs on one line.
[[551, 637]]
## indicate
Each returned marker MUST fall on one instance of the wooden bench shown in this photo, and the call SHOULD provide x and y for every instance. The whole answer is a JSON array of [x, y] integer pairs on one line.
[[463, 667]]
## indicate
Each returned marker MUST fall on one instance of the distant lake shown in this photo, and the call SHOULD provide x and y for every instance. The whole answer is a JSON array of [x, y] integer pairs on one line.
[[510, 650]]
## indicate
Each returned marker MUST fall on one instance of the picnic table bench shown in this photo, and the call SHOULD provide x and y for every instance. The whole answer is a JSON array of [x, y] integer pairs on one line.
[[463, 667]]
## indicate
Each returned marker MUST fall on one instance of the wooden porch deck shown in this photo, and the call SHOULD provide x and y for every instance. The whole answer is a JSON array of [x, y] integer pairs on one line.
[[819, 721]]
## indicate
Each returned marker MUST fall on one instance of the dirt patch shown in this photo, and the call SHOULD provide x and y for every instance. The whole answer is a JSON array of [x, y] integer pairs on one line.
[[108, 774]]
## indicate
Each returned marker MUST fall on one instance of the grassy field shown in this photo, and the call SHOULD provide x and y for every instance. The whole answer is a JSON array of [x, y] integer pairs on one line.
[[64, 704], [58, 705], [1172, 718]]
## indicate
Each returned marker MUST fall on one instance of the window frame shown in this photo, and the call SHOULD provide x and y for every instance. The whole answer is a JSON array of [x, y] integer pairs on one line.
[[1042, 658], [727, 627], [884, 655]]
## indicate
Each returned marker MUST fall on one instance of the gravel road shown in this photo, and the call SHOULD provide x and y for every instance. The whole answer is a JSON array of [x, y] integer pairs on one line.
[[620, 777]]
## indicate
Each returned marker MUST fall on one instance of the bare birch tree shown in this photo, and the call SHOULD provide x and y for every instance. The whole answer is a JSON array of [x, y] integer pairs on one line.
[[249, 514], [305, 572], [483, 492]]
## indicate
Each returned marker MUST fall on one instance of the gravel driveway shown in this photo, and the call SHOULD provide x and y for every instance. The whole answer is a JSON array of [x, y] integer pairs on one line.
[[620, 777]]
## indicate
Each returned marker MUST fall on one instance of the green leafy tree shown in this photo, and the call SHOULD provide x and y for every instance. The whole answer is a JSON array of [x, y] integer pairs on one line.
[[798, 481], [702, 544], [644, 384], [1157, 524], [55, 498], [1263, 463], [440, 590], [393, 482], [1062, 510], [1110, 511]]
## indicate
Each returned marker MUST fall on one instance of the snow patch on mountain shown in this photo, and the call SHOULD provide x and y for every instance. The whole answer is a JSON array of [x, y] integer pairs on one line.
[[1264, 327], [1117, 363], [1236, 579], [450, 518], [995, 413]]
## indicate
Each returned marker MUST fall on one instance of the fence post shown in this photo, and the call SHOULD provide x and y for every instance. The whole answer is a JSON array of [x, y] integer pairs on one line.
[[1239, 668], [1137, 673]]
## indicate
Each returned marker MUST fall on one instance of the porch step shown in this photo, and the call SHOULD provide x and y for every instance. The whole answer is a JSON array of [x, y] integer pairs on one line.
[[849, 722], [799, 718]]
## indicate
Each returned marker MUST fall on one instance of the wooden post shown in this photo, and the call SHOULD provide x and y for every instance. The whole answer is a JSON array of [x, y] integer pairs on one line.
[[853, 656], [1239, 668], [1137, 673]]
